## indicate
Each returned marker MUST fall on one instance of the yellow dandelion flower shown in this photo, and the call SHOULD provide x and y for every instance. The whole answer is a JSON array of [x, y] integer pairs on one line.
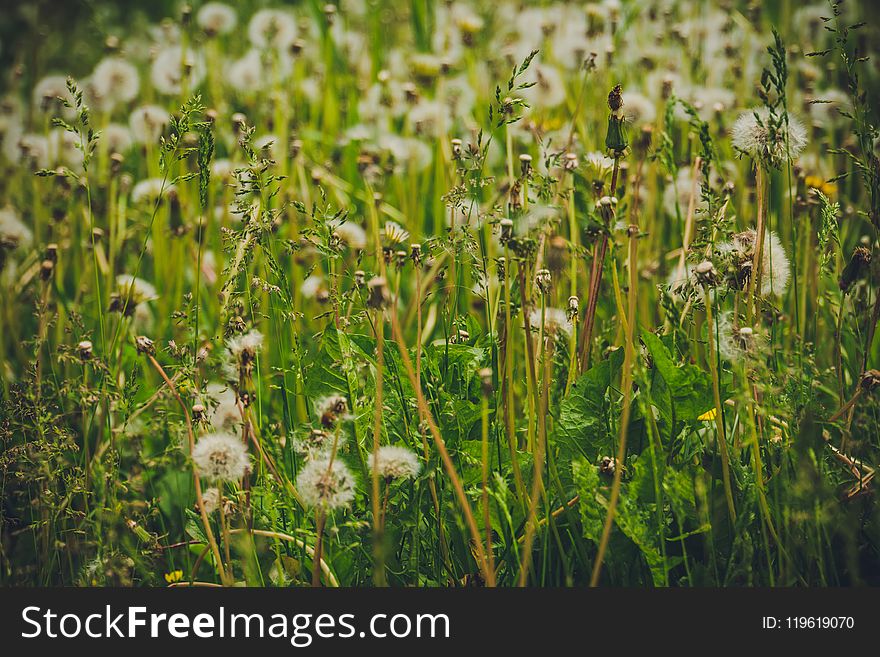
[[174, 576], [708, 415]]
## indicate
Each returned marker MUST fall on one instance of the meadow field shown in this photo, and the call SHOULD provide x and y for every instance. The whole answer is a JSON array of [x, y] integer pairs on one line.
[[439, 293]]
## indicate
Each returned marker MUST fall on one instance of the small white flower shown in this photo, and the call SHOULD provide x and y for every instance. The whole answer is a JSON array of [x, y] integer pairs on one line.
[[394, 462], [221, 456], [326, 485]]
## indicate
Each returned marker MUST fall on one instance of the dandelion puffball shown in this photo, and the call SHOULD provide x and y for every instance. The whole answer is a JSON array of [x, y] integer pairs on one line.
[[394, 462], [766, 138], [221, 457], [325, 484]]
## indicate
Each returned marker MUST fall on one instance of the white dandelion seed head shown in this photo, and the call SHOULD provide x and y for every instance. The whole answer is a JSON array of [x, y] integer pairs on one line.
[[49, 90], [14, 234], [148, 190], [310, 287], [351, 233], [137, 289], [549, 88], [221, 457], [556, 321], [225, 414], [175, 66], [211, 499], [248, 73], [775, 266], [638, 109], [752, 134], [394, 462], [147, 123], [735, 342], [116, 80], [223, 169], [245, 346], [29, 149], [272, 28], [216, 18], [326, 485], [117, 137]]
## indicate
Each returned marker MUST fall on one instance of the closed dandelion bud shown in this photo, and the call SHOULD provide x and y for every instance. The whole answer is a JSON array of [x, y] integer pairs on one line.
[[525, 164], [486, 380], [199, 412], [870, 380], [499, 266], [378, 293], [608, 465], [572, 307], [116, 162], [52, 252], [84, 349], [706, 274], [401, 257], [543, 280], [456, 148], [416, 254], [571, 162], [506, 230], [239, 121], [856, 269], [606, 207], [144, 345], [297, 46], [46, 269], [360, 278], [615, 139], [516, 196], [294, 146], [330, 13]]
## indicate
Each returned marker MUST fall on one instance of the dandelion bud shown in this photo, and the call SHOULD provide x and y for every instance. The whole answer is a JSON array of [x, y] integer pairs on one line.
[[543, 280], [84, 349], [111, 43], [499, 266], [608, 465], [199, 412], [330, 13], [486, 380], [456, 149], [294, 147], [606, 207], [615, 138], [47, 268], [571, 162], [144, 345], [506, 230], [706, 274], [525, 164], [378, 293], [416, 254], [856, 269], [52, 252], [297, 47], [239, 121], [360, 278], [400, 257], [870, 380], [572, 308]]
